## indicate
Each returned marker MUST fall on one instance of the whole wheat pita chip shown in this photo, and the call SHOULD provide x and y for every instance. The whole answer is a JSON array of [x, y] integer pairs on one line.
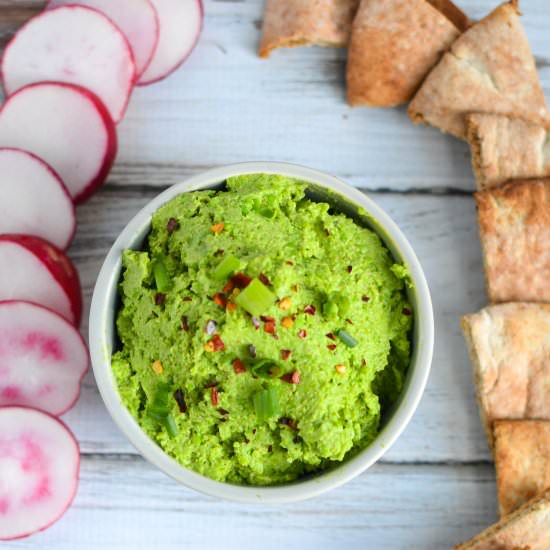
[[292, 23], [509, 346], [393, 46], [506, 148], [527, 528], [514, 227], [522, 460], [453, 13], [490, 68]]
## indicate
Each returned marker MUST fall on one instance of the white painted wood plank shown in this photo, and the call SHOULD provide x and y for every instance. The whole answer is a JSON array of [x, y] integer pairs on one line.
[[444, 233], [125, 504]]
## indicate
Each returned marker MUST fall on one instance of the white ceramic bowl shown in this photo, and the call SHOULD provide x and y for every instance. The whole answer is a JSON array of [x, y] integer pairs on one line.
[[102, 336]]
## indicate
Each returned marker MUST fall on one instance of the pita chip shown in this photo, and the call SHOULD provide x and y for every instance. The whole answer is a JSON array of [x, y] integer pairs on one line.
[[528, 528], [292, 23], [394, 45], [509, 346], [522, 460], [506, 148], [489, 68], [514, 227], [453, 13]]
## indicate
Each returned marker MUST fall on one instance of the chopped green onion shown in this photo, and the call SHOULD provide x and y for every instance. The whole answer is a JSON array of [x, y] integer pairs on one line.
[[266, 404], [256, 298], [265, 368], [170, 425], [226, 267], [162, 279], [347, 338]]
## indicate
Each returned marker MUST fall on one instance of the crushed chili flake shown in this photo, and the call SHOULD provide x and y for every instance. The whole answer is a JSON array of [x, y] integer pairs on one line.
[[302, 333], [172, 225], [331, 336], [157, 367], [223, 411], [231, 306], [160, 298], [252, 350], [267, 319], [240, 280], [214, 344], [238, 366], [285, 303], [310, 309], [291, 377], [264, 279], [214, 396], [289, 262], [287, 322], [349, 321], [180, 400], [217, 228], [406, 311], [285, 354], [365, 298], [269, 327], [331, 347], [184, 323], [285, 421], [220, 299], [228, 286], [350, 268]]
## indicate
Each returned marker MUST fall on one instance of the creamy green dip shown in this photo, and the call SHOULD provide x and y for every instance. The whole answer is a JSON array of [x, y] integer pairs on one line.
[[292, 390]]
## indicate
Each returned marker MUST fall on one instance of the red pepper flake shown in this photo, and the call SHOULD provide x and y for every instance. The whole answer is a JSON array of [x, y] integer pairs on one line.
[[331, 347], [269, 327], [291, 377], [267, 319], [264, 279], [185, 323], [349, 321], [238, 366], [350, 268], [214, 396], [302, 333], [214, 344], [285, 354], [231, 306], [160, 298], [225, 412], [365, 298], [220, 299], [406, 311], [228, 286], [240, 280], [289, 262], [310, 309], [217, 228], [172, 225], [331, 336], [180, 400]]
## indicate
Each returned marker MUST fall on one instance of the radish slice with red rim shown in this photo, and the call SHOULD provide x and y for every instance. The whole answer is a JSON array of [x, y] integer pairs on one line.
[[66, 126], [180, 27], [76, 45], [43, 358], [27, 184], [39, 469], [34, 270], [137, 19]]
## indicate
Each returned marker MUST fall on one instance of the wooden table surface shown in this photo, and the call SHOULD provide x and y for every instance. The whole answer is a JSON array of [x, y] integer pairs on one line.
[[436, 486]]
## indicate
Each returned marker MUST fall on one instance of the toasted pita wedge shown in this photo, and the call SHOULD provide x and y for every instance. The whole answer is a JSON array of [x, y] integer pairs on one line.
[[453, 13], [490, 68], [394, 45], [522, 460], [292, 23], [514, 226], [509, 346], [527, 528], [506, 148]]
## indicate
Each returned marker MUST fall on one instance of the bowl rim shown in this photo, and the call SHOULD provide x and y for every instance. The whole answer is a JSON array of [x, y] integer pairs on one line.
[[101, 327]]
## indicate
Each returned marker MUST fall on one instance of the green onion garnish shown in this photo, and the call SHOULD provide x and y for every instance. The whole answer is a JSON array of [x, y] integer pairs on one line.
[[347, 338], [162, 279], [265, 368], [226, 267], [170, 425], [256, 298], [266, 404]]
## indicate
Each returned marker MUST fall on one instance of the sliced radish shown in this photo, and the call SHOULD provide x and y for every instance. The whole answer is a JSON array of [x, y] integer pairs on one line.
[[34, 200], [73, 44], [137, 19], [180, 27], [66, 126], [32, 269], [39, 469], [43, 358]]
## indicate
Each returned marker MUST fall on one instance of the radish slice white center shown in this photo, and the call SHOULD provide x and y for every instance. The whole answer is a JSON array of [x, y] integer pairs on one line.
[[33, 200], [137, 19], [72, 44], [67, 127], [39, 466], [42, 358], [24, 277], [180, 26]]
